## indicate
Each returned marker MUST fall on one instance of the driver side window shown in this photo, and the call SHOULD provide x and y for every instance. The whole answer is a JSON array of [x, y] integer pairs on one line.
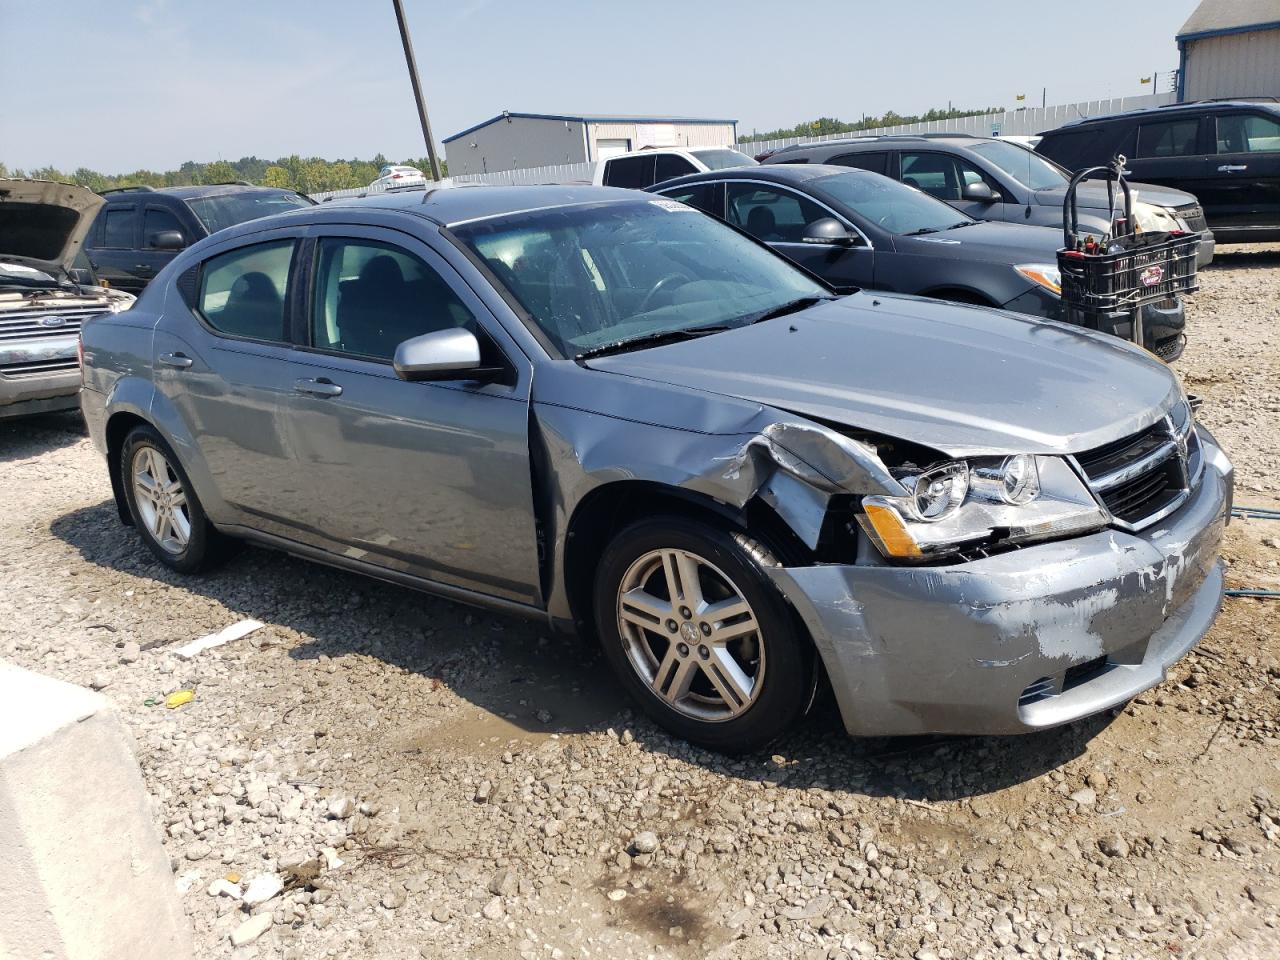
[[774, 216], [370, 297]]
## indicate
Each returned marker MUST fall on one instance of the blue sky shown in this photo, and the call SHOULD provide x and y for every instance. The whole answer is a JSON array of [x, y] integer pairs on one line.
[[125, 84]]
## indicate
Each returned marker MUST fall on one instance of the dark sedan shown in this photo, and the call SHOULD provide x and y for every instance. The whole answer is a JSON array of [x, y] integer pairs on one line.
[[860, 230]]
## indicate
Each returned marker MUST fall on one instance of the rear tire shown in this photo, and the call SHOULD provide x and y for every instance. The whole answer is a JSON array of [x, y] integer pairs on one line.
[[700, 636], [164, 505]]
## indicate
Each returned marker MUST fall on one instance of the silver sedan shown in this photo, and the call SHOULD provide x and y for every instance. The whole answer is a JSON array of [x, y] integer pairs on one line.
[[607, 411]]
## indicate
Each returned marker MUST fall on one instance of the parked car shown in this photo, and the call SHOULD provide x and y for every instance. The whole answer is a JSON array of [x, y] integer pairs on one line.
[[859, 230], [604, 410], [399, 177], [643, 168], [44, 295], [140, 229], [1226, 153], [993, 178]]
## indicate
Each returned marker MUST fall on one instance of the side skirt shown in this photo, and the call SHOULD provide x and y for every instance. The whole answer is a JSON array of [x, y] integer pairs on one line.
[[447, 591]]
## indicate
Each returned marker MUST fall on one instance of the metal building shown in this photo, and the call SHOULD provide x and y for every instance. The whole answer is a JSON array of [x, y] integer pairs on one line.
[[1230, 49], [513, 141]]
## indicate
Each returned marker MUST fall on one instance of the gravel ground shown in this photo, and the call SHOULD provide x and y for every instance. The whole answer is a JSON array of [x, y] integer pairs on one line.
[[424, 780]]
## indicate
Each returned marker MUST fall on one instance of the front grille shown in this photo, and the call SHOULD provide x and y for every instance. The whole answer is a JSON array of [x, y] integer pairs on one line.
[[1145, 476], [36, 368], [32, 323], [1193, 216]]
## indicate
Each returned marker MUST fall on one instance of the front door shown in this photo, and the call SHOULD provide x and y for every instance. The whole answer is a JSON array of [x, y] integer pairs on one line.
[[943, 176], [779, 216], [426, 478], [1245, 190]]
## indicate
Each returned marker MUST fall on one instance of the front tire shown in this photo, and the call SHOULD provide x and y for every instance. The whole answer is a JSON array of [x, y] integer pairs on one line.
[[700, 636], [163, 504]]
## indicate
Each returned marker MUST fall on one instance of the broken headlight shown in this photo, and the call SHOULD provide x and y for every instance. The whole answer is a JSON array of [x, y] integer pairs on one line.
[[989, 501]]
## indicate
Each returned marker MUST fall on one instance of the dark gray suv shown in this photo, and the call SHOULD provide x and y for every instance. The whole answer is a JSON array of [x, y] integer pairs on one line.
[[993, 179]]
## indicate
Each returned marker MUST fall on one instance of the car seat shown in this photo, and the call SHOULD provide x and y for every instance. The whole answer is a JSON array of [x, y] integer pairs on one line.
[[254, 308]]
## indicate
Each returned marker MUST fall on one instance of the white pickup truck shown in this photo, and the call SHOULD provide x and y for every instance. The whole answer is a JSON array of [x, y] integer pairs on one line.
[[644, 168]]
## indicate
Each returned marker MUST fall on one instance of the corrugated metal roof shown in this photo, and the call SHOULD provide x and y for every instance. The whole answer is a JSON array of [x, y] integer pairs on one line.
[[587, 118], [1216, 17]]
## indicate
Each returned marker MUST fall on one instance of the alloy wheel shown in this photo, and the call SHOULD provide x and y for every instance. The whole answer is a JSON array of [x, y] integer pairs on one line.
[[691, 635], [161, 500]]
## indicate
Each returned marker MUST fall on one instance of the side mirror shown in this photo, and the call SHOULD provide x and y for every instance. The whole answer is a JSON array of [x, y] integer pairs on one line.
[[828, 230], [979, 193], [166, 240], [452, 354]]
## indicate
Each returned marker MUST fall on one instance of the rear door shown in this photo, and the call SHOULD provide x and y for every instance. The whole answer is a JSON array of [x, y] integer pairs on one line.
[[430, 479], [1245, 190], [1170, 152], [222, 362], [778, 216]]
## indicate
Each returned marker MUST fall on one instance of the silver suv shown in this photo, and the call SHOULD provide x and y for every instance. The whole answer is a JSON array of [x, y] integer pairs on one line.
[[44, 297], [604, 410]]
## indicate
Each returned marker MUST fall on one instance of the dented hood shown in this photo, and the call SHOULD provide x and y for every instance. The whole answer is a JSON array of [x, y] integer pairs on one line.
[[44, 223], [963, 380]]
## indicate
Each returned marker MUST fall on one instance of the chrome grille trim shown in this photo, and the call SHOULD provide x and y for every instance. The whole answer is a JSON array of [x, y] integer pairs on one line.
[[1177, 431], [26, 324]]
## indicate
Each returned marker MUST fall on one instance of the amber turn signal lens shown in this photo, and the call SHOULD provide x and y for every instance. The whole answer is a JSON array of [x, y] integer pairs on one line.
[[884, 526]]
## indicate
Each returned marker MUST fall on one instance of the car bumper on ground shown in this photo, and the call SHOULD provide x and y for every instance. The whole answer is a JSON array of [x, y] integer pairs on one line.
[[38, 376], [1208, 244], [1023, 640]]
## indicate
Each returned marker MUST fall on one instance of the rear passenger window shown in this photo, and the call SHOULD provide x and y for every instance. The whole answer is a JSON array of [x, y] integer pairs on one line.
[[242, 292], [371, 297], [671, 165], [1240, 133], [700, 195], [875, 162], [120, 226], [633, 172], [1171, 138]]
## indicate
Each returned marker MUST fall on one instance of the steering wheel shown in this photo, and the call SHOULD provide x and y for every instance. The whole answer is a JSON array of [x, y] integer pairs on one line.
[[667, 282]]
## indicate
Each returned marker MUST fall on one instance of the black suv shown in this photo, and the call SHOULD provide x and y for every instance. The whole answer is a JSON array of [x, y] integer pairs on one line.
[[140, 229], [1226, 152], [993, 179]]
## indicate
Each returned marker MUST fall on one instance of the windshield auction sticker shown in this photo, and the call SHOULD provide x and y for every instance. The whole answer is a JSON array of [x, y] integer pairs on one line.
[[675, 206]]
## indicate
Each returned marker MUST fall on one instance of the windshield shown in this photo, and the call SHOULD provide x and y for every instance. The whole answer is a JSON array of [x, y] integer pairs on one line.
[[723, 159], [600, 274], [228, 209], [1026, 166], [890, 205]]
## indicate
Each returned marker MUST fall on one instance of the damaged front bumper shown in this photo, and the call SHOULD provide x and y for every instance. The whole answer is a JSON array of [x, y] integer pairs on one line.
[[1023, 640]]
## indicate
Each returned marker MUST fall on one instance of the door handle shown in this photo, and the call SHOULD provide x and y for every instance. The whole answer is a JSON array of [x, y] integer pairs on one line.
[[143, 268], [317, 388], [179, 360], [1233, 167]]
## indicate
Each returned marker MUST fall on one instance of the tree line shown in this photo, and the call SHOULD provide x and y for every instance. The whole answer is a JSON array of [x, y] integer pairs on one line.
[[303, 174], [824, 126]]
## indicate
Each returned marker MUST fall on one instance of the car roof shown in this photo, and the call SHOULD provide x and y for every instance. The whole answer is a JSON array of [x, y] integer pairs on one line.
[[1171, 109], [188, 193], [785, 173], [452, 205], [888, 139]]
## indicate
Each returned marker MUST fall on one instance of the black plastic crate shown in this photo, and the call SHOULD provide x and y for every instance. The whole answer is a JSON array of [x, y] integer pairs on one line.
[[1151, 267]]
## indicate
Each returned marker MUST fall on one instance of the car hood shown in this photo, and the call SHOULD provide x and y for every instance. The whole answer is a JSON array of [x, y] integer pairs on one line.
[[965, 381], [1093, 195], [989, 241], [43, 223]]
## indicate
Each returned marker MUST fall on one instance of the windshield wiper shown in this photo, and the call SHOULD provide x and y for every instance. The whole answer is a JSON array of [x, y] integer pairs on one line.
[[960, 223], [921, 232], [650, 340], [793, 306]]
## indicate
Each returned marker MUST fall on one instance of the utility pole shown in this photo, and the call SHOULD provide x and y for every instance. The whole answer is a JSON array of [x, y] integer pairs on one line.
[[417, 89]]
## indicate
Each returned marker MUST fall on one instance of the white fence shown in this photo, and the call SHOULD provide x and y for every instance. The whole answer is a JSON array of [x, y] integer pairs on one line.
[[1025, 122], [530, 176]]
